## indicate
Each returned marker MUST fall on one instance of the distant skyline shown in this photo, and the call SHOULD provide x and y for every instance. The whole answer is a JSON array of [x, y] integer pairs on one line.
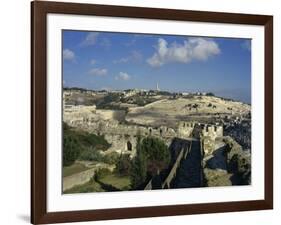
[[117, 61]]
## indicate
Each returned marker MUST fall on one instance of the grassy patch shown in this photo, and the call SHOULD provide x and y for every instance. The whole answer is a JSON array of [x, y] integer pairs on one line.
[[117, 181], [108, 182], [74, 168], [88, 187]]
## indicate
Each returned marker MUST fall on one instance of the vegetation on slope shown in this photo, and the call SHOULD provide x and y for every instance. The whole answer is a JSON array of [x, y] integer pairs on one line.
[[152, 157], [81, 145], [239, 162]]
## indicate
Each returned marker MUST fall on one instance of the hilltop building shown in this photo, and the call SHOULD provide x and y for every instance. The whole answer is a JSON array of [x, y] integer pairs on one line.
[[157, 87]]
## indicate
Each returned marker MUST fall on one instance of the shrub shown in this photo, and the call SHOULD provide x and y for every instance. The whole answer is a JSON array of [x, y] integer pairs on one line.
[[195, 106], [123, 166], [139, 167], [152, 156], [91, 155], [157, 154], [111, 158], [82, 145], [71, 147], [210, 94], [101, 173]]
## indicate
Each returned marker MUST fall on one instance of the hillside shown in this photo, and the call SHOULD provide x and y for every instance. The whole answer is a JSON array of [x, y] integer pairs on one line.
[[195, 108]]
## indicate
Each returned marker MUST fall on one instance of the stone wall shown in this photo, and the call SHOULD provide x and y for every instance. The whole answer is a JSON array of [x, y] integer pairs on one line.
[[208, 145], [123, 137], [166, 184], [122, 143], [78, 178], [149, 185], [212, 131], [83, 177], [185, 129]]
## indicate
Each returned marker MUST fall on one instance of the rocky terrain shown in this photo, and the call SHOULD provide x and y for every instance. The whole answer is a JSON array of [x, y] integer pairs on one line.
[[227, 165]]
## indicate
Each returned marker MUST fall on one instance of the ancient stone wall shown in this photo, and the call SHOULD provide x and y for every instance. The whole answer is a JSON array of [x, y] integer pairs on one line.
[[208, 139], [212, 131], [122, 143], [123, 137], [78, 178], [82, 177], [185, 129], [208, 145], [149, 185], [166, 184]]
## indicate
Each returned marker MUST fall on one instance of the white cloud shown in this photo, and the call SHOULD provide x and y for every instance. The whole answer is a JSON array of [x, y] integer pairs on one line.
[[191, 49], [98, 72], [68, 55], [90, 39], [123, 76], [135, 56]]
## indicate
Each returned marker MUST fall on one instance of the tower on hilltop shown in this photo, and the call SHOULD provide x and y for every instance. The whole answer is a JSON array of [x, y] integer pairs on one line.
[[157, 87]]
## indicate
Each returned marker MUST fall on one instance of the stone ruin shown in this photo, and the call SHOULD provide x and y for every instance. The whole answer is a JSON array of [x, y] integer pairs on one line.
[[123, 137]]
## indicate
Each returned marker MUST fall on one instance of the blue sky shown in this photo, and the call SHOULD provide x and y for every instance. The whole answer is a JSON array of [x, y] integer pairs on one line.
[[115, 61]]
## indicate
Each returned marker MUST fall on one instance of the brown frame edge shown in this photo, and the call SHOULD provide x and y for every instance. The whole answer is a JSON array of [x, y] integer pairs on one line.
[[39, 11]]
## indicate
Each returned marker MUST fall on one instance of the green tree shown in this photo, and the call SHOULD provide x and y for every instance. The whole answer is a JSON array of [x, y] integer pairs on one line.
[[152, 156], [123, 166], [82, 145], [157, 154], [70, 147], [210, 94], [139, 166]]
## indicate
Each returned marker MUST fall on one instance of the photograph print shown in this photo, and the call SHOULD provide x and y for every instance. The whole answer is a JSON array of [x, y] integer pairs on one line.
[[154, 111]]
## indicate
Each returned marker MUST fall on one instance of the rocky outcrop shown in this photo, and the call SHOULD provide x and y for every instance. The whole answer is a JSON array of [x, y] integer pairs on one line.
[[227, 165], [239, 162]]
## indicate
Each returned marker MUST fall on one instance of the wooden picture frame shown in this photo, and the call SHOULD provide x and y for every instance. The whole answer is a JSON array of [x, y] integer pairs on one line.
[[40, 9]]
